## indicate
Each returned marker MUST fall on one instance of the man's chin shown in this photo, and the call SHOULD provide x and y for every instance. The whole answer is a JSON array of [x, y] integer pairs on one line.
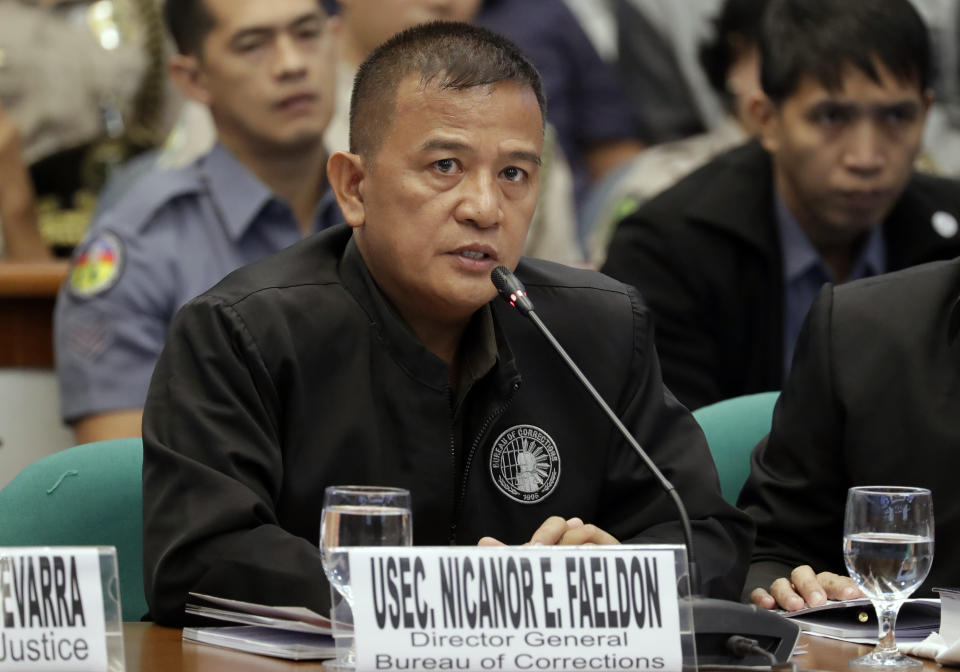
[[299, 139], [468, 299], [863, 217], [848, 229]]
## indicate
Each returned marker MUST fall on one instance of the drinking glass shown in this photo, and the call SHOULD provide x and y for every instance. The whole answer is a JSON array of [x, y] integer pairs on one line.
[[888, 550], [357, 515]]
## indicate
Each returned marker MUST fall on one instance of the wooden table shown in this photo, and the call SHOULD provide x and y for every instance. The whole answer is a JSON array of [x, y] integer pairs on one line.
[[27, 294], [830, 654], [151, 648]]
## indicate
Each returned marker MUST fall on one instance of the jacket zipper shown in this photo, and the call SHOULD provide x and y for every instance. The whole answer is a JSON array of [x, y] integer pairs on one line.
[[453, 466], [466, 467]]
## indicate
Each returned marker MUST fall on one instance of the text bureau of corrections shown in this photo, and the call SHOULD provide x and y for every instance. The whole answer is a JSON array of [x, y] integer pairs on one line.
[[522, 661]]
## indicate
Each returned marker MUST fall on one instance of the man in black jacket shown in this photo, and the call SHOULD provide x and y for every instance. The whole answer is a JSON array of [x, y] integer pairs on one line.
[[873, 399], [731, 257], [375, 354]]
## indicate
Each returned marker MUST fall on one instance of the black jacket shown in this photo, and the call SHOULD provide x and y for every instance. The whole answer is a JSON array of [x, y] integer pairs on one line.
[[873, 399], [706, 257], [294, 374]]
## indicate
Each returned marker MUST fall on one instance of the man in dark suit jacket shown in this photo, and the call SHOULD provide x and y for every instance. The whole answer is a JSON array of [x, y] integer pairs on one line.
[[731, 258], [873, 399]]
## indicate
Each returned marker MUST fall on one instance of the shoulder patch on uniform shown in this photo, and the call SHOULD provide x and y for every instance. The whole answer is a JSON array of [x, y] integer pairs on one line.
[[97, 265], [525, 464]]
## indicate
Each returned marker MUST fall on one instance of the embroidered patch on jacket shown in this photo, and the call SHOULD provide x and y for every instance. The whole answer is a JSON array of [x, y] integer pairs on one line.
[[97, 266], [525, 464]]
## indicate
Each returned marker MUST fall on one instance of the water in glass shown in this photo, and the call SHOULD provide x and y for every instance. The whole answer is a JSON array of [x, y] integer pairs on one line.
[[346, 525]]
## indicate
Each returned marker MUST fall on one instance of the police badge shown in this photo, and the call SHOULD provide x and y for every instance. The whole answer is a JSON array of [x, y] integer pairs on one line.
[[97, 265], [525, 464]]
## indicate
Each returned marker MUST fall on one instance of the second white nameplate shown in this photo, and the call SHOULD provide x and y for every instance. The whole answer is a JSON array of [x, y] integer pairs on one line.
[[527, 608]]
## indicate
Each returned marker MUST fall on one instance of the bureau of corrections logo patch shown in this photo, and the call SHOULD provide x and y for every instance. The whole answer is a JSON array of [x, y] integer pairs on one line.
[[525, 464]]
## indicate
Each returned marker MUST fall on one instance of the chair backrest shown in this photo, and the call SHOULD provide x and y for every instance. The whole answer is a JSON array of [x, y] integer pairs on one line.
[[733, 427], [89, 495]]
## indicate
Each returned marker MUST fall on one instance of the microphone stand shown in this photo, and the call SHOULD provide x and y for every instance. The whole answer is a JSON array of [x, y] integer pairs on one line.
[[718, 622], [694, 578]]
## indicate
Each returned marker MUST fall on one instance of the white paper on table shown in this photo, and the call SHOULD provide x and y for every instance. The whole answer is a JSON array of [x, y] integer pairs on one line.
[[942, 646], [288, 618], [949, 613]]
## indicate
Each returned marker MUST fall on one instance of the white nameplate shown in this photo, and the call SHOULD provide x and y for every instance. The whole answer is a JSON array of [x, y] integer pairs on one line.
[[51, 610], [519, 608]]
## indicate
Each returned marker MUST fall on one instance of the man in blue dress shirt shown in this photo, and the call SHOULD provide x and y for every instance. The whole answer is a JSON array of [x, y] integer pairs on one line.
[[731, 257], [266, 71]]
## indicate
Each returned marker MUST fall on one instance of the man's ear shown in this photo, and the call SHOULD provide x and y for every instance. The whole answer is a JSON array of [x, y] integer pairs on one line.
[[765, 120], [186, 73], [346, 174]]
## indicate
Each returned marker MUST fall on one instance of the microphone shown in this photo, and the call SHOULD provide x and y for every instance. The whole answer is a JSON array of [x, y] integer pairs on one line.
[[514, 293], [714, 620]]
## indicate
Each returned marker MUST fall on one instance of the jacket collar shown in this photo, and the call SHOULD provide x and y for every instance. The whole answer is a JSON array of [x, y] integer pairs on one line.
[[237, 193], [740, 198], [909, 228], [400, 341], [240, 197]]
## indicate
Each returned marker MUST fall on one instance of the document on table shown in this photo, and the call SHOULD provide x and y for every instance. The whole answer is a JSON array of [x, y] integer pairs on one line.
[[266, 641], [299, 619], [856, 620]]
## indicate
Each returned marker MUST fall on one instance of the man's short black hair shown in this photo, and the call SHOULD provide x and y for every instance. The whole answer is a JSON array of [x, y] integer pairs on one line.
[[447, 54], [188, 21], [736, 26], [823, 37]]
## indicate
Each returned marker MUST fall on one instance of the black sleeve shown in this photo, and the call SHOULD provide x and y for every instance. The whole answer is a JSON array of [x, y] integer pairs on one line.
[[212, 471], [722, 535], [643, 254], [798, 477]]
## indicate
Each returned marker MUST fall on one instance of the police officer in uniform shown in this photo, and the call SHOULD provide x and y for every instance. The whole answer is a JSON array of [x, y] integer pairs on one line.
[[266, 71]]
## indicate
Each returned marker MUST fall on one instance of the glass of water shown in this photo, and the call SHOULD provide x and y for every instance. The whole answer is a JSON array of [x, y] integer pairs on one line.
[[357, 515], [888, 550]]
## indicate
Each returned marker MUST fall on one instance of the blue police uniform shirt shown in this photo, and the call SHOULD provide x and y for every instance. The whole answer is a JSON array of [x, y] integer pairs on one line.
[[804, 272], [174, 235]]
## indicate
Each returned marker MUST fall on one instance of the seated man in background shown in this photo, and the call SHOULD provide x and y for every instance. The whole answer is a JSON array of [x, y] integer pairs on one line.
[[266, 71], [731, 257], [730, 60], [873, 399], [375, 354]]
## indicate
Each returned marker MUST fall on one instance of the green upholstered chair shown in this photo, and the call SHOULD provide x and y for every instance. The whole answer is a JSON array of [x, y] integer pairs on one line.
[[88, 495], [733, 427]]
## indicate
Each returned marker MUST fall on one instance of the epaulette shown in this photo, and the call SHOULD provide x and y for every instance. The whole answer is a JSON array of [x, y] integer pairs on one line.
[[138, 208]]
